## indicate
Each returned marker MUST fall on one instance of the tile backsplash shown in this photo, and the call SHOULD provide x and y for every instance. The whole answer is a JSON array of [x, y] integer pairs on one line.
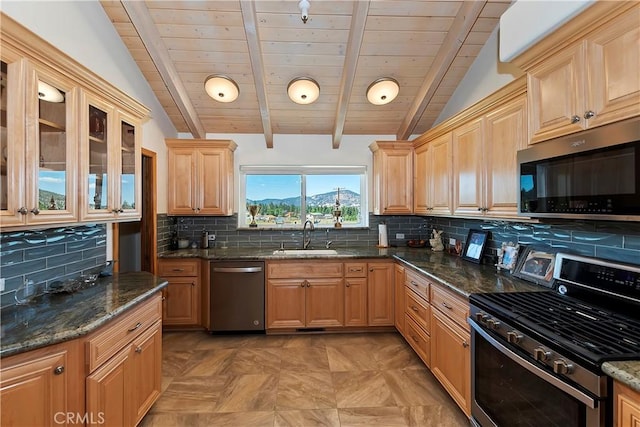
[[48, 255], [604, 239]]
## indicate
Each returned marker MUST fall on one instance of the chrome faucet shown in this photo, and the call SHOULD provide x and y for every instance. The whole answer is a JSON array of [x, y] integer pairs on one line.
[[306, 235], [329, 242]]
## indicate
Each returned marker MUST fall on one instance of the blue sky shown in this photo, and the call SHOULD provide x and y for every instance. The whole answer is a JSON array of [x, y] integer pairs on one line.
[[282, 186]]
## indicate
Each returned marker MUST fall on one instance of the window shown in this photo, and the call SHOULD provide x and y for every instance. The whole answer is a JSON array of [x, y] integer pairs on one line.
[[285, 197]]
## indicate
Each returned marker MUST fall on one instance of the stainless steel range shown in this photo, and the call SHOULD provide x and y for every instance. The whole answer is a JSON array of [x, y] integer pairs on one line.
[[537, 356]]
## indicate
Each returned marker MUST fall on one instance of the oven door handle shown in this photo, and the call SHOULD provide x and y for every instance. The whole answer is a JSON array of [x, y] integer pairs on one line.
[[539, 372]]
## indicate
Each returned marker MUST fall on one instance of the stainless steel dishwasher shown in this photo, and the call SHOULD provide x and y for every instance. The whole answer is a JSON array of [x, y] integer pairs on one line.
[[237, 296]]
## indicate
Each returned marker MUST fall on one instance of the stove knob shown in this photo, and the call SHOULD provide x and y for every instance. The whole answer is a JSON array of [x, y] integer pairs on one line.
[[493, 323], [541, 354], [514, 337], [561, 366], [481, 316]]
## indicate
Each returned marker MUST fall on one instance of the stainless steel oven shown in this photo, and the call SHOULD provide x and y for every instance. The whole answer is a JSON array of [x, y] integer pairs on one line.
[[537, 356]]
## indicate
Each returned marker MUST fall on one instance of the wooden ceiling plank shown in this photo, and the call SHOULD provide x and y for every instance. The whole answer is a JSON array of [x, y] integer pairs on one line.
[[356, 35], [142, 21], [464, 21], [248, 9]]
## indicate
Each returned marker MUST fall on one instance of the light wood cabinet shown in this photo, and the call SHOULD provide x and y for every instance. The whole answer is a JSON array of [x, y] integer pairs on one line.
[[110, 162], [308, 294], [182, 297], [432, 177], [450, 342], [485, 164], [417, 313], [627, 406], [124, 369], [355, 294], [578, 82], [399, 296], [380, 290], [46, 175], [200, 177], [392, 177], [40, 387]]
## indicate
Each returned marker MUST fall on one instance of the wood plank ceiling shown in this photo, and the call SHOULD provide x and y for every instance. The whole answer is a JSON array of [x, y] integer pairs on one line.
[[427, 46]]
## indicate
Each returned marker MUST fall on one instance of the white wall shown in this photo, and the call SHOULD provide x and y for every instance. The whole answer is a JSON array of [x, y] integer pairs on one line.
[[82, 30]]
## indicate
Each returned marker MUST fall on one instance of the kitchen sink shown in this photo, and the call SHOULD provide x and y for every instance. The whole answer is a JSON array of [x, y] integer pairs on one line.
[[309, 252]]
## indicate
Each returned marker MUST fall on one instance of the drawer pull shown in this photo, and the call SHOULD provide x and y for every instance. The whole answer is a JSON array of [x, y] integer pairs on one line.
[[139, 349], [58, 370], [414, 283], [354, 270], [414, 308], [177, 269], [135, 327], [414, 338], [465, 344], [447, 306]]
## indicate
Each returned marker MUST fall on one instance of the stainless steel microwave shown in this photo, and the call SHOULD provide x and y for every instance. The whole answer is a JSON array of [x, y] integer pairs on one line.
[[594, 174]]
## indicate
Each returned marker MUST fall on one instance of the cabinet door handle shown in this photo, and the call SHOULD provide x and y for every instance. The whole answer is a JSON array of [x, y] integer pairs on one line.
[[58, 370], [23, 210], [193, 283], [35, 211], [139, 349], [308, 284], [575, 119], [135, 327], [465, 344], [303, 284], [347, 284], [447, 306], [589, 114]]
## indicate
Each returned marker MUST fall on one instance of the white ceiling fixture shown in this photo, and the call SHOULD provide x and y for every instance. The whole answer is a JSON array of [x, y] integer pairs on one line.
[[48, 93], [221, 88], [303, 90], [383, 91], [304, 6]]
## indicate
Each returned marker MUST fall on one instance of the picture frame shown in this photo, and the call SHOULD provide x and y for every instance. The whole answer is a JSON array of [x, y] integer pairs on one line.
[[508, 258], [474, 245], [536, 265]]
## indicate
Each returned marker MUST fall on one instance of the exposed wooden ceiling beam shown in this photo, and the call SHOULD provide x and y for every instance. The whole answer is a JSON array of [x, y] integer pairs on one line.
[[148, 32], [356, 34], [255, 54], [462, 24]]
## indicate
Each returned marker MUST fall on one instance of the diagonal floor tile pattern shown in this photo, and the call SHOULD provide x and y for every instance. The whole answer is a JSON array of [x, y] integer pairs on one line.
[[332, 380]]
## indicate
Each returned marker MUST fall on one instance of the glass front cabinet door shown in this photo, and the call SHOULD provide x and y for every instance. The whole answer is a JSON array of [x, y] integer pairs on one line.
[[110, 163], [39, 147]]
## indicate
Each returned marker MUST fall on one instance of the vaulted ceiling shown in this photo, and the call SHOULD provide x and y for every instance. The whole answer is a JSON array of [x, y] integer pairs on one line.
[[427, 46]]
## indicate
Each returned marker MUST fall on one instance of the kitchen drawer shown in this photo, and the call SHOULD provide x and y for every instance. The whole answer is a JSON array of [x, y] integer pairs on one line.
[[355, 269], [418, 340], [303, 269], [451, 305], [178, 267], [118, 333], [418, 309], [417, 283]]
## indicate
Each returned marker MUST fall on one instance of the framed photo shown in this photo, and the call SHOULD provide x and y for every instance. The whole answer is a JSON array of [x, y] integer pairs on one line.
[[536, 265], [508, 256], [474, 245]]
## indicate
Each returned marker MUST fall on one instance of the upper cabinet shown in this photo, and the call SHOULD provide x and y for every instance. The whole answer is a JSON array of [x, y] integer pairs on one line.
[[69, 141], [392, 177], [586, 73], [432, 177], [200, 177]]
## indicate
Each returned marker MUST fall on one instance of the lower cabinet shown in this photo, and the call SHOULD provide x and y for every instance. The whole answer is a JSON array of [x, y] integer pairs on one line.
[[398, 298], [627, 406], [305, 294], [450, 345], [355, 294], [182, 300], [125, 366], [44, 387], [380, 278]]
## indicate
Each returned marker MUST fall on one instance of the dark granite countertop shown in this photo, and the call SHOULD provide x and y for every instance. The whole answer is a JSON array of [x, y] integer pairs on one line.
[[54, 318], [457, 274]]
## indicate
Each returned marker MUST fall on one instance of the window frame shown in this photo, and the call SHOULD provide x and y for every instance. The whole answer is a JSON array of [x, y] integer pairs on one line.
[[303, 171]]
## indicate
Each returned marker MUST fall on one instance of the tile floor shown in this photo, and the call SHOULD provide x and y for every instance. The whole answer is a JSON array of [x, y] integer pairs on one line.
[[301, 380]]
